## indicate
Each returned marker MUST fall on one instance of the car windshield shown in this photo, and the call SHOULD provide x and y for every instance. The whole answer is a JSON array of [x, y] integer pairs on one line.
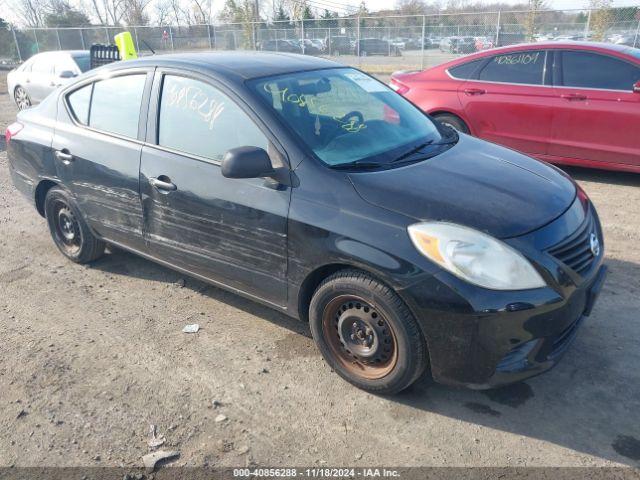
[[345, 116], [83, 62]]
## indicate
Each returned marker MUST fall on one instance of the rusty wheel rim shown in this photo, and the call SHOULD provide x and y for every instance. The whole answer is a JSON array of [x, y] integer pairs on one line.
[[359, 337]]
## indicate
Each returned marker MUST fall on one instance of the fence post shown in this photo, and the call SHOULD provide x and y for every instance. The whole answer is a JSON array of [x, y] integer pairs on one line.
[[424, 26], [81, 31], [587, 27], [58, 37], [209, 33], [497, 42], [35, 35], [15, 40], [358, 38], [635, 40], [106, 35], [171, 36], [135, 36], [302, 34]]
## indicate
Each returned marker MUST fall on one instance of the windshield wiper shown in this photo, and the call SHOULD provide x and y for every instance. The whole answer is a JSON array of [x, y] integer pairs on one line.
[[357, 164], [451, 140]]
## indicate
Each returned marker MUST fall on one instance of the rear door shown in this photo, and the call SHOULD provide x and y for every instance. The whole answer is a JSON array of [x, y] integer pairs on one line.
[[596, 113], [230, 231], [97, 146], [509, 101]]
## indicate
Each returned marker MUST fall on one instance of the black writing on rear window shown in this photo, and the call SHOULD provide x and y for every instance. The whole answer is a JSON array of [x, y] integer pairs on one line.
[[521, 67]]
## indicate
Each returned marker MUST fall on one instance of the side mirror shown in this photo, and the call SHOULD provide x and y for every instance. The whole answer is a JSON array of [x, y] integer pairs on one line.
[[67, 74], [247, 162], [636, 87]]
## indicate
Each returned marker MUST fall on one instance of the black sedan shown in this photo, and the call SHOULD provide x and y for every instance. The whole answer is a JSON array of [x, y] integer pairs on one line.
[[315, 189]]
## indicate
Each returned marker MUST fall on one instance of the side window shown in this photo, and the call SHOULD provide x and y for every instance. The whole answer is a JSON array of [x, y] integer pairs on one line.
[[79, 102], [198, 119], [42, 65], [591, 70], [466, 70], [517, 67], [115, 105]]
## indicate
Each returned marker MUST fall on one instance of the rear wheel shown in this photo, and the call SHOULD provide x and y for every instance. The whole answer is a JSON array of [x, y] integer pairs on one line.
[[452, 121], [23, 101], [366, 333], [69, 231]]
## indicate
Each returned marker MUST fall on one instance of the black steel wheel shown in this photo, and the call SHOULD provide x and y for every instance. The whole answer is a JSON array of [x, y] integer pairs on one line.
[[68, 229], [22, 99], [452, 121], [366, 333]]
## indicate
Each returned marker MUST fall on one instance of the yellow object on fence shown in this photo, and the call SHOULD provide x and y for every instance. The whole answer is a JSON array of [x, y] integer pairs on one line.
[[125, 46]]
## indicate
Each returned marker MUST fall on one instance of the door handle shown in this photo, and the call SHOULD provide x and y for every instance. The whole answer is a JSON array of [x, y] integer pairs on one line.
[[163, 183], [474, 91], [64, 156], [573, 96]]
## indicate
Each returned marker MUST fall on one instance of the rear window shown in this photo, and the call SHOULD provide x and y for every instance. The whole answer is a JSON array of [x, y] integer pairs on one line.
[[467, 70], [115, 104], [518, 67]]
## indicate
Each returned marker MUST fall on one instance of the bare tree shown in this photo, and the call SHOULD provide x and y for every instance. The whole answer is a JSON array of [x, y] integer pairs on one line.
[[601, 18], [530, 22], [30, 12], [136, 12]]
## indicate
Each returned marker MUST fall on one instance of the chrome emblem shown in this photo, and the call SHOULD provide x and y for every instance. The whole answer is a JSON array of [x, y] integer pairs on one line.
[[594, 244]]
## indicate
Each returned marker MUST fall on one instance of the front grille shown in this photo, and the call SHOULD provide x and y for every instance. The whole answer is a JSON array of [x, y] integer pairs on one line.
[[575, 251]]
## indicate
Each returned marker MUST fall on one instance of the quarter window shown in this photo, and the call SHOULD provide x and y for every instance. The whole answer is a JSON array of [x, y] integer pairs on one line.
[[516, 67], [466, 70], [115, 105], [198, 119], [79, 101], [591, 70]]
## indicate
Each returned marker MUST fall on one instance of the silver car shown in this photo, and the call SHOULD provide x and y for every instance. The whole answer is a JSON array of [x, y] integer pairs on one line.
[[32, 81]]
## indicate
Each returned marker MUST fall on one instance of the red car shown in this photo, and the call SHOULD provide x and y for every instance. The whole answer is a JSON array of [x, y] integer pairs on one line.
[[575, 103]]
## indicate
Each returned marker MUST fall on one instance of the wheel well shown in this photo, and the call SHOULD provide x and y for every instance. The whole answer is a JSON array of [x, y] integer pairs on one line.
[[311, 283], [41, 192]]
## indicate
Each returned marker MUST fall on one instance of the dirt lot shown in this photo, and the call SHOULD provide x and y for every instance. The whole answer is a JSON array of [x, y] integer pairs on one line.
[[91, 356]]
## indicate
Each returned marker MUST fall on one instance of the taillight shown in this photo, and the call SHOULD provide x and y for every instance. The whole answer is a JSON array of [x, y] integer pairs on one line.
[[11, 131], [401, 88]]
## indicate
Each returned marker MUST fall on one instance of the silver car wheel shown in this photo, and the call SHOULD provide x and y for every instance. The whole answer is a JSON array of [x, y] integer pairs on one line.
[[22, 98]]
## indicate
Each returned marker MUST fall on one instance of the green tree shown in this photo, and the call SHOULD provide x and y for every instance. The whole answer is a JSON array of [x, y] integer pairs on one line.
[[61, 14]]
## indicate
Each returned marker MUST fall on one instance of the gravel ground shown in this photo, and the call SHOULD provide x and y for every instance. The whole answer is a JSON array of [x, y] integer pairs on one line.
[[92, 356]]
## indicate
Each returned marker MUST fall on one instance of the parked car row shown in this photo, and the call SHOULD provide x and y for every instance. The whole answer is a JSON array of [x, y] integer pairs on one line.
[[563, 102]]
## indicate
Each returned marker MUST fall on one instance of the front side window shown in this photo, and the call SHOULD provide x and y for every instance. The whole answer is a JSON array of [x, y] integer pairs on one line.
[[115, 104], [345, 116], [517, 67], [83, 62], [198, 119], [592, 70]]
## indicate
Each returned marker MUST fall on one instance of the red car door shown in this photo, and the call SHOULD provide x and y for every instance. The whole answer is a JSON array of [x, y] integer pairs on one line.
[[597, 113], [509, 102]]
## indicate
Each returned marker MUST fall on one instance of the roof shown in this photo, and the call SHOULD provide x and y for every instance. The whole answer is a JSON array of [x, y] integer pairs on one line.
[[243, 64], [563, 44]]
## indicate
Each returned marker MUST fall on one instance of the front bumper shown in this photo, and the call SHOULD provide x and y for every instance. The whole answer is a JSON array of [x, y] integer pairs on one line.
[[481, 338]]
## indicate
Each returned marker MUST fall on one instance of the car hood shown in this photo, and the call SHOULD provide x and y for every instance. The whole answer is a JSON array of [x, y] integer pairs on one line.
[[476, 184]]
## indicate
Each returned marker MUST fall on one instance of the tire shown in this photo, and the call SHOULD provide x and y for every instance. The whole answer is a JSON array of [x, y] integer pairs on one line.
[[68, 229], [366, 333], [453, 121], [22, 98]]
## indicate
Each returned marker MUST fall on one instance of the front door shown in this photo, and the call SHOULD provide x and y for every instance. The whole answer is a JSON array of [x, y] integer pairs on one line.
[[97, 153], [230, 231], [596, 114], [509, 103]]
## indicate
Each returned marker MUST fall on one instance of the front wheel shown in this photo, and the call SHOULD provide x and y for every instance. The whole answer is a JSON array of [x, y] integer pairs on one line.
[[366, 333], [68, 229], [22, 99]]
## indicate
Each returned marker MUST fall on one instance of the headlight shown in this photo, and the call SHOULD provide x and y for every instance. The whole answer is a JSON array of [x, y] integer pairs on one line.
[[474, 256]]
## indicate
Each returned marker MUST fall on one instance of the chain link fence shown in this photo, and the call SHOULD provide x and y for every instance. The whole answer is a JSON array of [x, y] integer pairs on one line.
[[374, 43]]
